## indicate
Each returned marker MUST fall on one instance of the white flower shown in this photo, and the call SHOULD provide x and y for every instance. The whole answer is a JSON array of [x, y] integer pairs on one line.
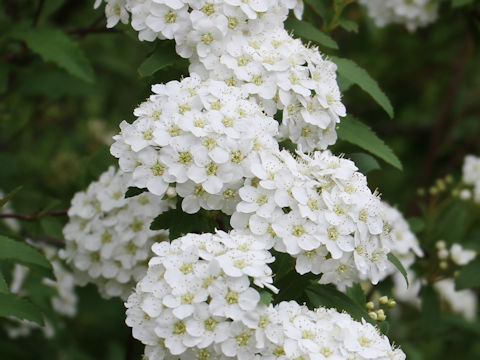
[[461, 256]]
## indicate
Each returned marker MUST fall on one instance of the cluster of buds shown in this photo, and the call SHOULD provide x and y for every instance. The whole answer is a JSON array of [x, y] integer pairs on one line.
[[378, 313]]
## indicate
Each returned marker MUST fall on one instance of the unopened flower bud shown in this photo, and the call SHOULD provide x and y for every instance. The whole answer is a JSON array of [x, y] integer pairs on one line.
[[369, 305], [443, 254], [440, 245], [465, 194], [443, 265], [383, 300], [381, 315], [392, 303], [373, 315]]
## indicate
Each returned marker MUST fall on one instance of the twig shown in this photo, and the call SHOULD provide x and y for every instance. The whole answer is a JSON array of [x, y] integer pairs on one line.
[[59, 243], [81, 32], [34, 216], [440, 131], [38, 12]]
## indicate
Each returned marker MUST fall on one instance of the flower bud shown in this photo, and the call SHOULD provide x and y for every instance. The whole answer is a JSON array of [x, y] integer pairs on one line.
[[383, 300], [381, 315], [443, 265]]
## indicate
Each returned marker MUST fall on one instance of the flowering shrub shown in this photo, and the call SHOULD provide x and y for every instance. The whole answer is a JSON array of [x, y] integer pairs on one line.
[[240, 222]]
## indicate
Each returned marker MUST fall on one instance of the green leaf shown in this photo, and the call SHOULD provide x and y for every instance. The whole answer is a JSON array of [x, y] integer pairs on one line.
[[22, 252], [266, 297], [163, 56], [394, 260], [384, 327], [430, 310], [310, 32], [52, 226], [469, 276], [349, 25], [354, 131], [416, 224], [328, 296], [359, 76], [355, 292], [179, 223], [364, 162], [10, 195], [458, 3], [3, 285], [13, 305], [56, 46], [134, 191], [452, 223]]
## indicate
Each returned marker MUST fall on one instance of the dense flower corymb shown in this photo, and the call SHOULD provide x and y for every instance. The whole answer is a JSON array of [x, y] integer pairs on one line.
[[108, 237], [197, 300]]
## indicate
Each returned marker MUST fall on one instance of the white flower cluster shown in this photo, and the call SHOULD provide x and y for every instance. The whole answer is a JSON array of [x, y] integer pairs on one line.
[[197, 301], [398, 237], [463, 302], [107, 238], [203, 136], [457, 254], [64, 302], [411, 13], [471, 176], [401, 241], [319, 210], [244, 43]]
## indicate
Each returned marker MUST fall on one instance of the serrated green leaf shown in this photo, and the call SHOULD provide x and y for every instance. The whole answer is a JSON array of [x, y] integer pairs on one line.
[[350, 70], [310, 32], [394, 260], [56, 46], [364, 162], [13, 305], [3, 285], [459, 3], [21, 252], [325, 295], [10, 195], [354, 131], [134, 191], [469, 276], [163, 56]]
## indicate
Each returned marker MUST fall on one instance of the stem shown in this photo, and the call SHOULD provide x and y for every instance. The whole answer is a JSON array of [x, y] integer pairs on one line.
[[339, 6], [34, 216], [38, 12]]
